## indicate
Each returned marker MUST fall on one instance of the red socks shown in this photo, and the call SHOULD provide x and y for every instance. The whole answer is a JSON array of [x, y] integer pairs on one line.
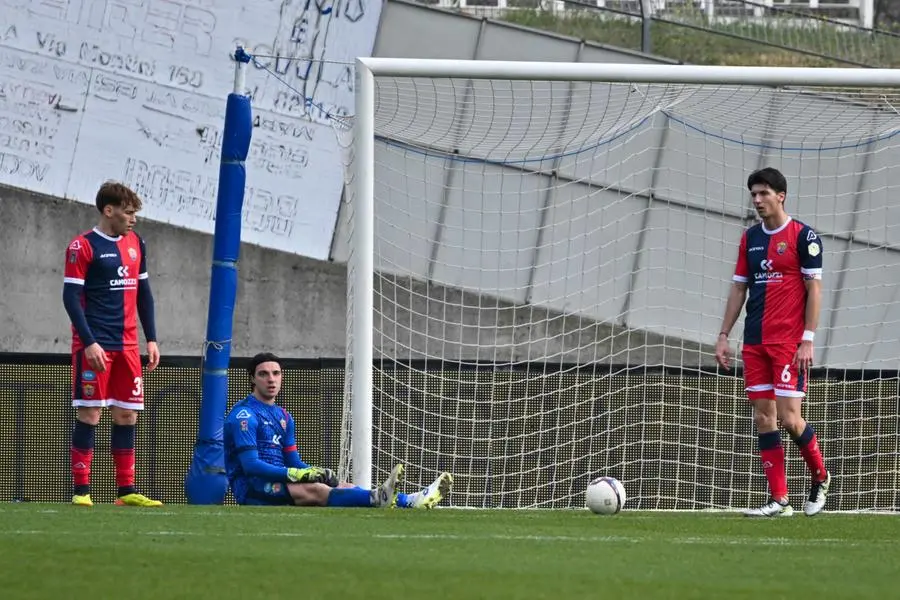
[[81, 454], [772, 454], [123, 457], [812, 456]]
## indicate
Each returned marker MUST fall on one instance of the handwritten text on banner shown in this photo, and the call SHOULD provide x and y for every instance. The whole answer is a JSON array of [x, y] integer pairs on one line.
[[135, 90]]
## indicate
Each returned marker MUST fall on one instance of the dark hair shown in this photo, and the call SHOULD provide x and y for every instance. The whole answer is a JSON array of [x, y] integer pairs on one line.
[[770, 177], [260, 359], [113, 193]]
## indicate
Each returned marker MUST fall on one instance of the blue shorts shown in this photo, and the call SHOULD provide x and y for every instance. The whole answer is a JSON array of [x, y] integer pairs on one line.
[[259, 492]]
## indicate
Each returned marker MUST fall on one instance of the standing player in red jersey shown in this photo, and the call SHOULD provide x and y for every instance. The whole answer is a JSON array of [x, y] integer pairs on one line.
[[780, 262], [106, 290]]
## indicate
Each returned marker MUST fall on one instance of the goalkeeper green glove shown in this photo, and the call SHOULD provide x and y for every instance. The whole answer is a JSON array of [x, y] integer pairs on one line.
[[312, 475], [307, 475]]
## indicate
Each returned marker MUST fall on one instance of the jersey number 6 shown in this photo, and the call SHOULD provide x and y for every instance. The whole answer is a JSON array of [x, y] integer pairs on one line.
[[786, 374]]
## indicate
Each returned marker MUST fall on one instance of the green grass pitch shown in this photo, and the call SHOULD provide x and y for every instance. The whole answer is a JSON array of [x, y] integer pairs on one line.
[[59, 551]]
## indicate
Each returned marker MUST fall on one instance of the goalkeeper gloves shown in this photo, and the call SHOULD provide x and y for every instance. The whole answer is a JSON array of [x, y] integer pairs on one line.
[[312, 475], [307, 475], [329, 478]]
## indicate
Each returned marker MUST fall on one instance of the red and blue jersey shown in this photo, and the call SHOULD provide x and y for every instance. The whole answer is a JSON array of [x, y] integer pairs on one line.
[[108, 270], [775, 266]]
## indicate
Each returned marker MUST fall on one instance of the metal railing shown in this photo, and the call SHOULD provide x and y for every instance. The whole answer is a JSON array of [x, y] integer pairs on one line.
[[860, 13], [800, 33]]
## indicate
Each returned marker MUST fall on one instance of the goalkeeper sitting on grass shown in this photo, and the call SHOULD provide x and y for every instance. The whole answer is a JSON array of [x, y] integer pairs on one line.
[[264, 467]]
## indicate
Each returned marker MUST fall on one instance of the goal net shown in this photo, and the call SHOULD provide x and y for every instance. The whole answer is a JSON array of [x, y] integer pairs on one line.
[[538, 267]]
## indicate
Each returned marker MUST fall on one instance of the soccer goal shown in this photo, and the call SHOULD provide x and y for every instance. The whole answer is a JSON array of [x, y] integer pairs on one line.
[[538, 260]]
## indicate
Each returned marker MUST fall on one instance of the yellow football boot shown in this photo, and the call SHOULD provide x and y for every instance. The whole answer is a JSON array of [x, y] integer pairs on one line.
[[137, 500], [84, 500]]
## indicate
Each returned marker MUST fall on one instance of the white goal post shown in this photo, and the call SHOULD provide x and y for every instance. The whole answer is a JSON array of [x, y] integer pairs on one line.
[[538, 258]]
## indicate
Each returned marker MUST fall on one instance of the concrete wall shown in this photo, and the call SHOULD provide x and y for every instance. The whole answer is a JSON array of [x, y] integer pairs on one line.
[[290, 305], [286, 303], [412, 30]]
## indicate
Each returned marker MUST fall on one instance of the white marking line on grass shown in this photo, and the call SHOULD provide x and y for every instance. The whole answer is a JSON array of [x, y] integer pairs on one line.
[[723, 541], [708, 541], [635, 539]]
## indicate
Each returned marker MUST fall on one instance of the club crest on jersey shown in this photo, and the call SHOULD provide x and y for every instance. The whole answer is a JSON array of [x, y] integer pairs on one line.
[[283, 424], [781, 247], [132, 254], [73, 257], [88, 390], [244, 426]]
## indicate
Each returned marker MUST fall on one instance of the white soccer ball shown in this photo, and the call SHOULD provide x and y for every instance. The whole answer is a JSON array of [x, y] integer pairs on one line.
[[605, 496]]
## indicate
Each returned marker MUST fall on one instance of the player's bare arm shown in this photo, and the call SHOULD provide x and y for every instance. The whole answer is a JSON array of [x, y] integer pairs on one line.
[[806, 351], [733, 306]]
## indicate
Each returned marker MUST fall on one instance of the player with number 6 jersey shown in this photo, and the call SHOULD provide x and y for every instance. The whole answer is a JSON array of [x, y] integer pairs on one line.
[[106, 290], [779, 263]]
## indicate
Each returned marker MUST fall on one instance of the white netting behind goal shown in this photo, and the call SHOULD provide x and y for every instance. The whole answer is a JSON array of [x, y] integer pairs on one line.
[[551, 266]]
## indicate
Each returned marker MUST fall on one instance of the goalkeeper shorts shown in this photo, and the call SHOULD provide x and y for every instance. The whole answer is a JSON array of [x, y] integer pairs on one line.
[[258, 492]]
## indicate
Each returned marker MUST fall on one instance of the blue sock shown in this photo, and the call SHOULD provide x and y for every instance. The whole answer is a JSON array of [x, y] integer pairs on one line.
[[805, 437], [403, 501], [355, 496]]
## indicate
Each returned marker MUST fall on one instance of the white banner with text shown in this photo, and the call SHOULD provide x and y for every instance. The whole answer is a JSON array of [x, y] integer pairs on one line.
[[134, 90]]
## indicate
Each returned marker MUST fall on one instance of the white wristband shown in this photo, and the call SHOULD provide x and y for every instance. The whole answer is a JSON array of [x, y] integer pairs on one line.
[[808, 335]]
